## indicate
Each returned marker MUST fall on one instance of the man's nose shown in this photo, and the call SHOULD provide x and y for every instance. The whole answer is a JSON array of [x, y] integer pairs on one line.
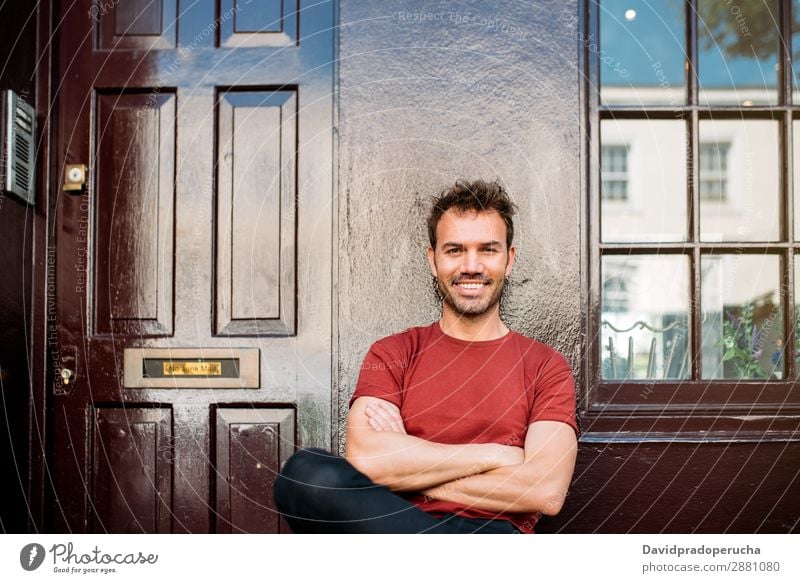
[[472, 263]]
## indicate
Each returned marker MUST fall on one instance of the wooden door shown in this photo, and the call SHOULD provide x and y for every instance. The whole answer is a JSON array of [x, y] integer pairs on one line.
[[205, 225]]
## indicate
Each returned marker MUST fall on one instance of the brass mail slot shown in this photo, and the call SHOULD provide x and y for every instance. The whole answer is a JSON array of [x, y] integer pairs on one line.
[[192, 368]]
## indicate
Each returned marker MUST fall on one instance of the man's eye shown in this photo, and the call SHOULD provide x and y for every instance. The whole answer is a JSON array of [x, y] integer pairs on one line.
[[451, 251]]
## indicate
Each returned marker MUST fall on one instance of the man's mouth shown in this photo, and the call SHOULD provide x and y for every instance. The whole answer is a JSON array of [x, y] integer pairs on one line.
[[471, 286]]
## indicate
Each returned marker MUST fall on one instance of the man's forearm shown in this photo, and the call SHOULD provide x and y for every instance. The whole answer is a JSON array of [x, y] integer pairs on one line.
[[513, 488], [407, 463]]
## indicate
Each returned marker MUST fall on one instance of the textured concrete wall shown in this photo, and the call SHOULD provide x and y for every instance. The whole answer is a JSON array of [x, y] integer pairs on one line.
[[433, 91]]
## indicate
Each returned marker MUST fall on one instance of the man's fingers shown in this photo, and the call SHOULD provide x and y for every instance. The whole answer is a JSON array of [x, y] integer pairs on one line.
[[387, 416], [381, 418], [392, 414], [389, 420], [375, 419]]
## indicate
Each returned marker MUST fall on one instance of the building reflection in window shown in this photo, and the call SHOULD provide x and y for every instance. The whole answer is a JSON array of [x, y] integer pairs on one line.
[[654, 206]]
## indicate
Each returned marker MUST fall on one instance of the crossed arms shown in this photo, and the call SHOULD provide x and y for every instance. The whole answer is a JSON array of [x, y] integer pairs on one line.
[[489, 476]]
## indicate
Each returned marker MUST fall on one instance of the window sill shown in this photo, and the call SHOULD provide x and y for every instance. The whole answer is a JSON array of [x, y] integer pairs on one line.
[[666, 428], [698, 396]]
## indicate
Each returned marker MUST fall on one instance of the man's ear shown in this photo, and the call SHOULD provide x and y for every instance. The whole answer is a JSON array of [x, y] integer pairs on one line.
[[512, 255], [432, 261]]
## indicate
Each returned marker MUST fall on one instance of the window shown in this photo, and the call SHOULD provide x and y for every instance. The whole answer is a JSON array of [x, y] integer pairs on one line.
[[714, 172], [614, 169], [696, 285]]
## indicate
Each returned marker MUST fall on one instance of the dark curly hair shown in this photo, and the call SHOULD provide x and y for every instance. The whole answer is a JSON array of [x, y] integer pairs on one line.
[[478, 195]]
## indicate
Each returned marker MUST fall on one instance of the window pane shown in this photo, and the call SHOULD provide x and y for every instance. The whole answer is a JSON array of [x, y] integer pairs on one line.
[[643, 180], [738, 172], [644, 330], [642, 52], [797, 315], [796, 50], [742, 317], [796, 177], [737, 52]]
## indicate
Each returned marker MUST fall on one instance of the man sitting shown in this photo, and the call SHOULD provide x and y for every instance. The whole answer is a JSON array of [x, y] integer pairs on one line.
[[460, 426]]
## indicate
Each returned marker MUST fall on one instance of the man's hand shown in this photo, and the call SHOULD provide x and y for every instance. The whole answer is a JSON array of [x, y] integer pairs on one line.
[[383, 416]]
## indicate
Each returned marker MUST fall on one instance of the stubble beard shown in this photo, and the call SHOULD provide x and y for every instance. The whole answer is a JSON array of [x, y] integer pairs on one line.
[[467, 308]]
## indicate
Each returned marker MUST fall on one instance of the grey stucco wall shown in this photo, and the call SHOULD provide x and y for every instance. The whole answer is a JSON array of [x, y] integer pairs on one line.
[[433, 91]]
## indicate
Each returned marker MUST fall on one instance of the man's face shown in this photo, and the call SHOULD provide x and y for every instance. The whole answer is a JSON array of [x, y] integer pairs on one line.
[[471, 261]]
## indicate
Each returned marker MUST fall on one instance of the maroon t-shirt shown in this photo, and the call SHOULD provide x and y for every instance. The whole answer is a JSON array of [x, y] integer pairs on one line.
[[456, 391]]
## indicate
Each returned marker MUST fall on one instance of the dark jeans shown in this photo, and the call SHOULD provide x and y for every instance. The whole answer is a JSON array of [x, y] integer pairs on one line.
[[318, 492]]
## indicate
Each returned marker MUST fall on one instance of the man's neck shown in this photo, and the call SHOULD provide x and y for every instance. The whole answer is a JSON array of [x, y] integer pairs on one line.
[[487, 326]]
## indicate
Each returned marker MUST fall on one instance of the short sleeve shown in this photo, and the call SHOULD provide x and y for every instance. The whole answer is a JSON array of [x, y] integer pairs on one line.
[[382, 373], [554, 393]]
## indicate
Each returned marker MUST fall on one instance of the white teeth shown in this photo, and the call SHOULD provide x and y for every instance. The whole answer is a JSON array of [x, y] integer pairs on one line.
[[471, 285]]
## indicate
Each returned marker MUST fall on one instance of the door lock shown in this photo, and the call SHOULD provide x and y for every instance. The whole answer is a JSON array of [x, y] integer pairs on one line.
[[75, 177], [67, 375]]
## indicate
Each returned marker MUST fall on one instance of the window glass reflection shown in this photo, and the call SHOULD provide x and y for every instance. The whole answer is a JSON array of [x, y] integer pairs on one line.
[[642, 54], [737, 52], [796, 51], [742, 317], [643, 180], [797, 316], [713, 173], [738, 172], [796, 177], [644, 330]]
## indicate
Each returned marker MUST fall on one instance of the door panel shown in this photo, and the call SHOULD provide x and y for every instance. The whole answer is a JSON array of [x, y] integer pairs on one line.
[[135, 172], [259, 24], [132, 469], [135, 24], [205, 224], [255, 213], [244, 438]]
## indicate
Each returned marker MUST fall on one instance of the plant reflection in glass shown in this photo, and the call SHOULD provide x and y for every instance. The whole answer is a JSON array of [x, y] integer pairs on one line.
[[743, 342]]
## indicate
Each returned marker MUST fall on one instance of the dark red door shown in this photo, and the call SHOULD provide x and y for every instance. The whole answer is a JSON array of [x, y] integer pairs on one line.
[[191, 312]]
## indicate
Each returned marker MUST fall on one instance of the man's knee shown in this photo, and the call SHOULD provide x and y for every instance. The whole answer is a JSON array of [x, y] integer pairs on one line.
[[311, 466], [309, 475]]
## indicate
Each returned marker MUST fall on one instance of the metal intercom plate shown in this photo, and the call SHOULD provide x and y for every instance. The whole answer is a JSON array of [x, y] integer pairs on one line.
[[18, 136], [191, 368]]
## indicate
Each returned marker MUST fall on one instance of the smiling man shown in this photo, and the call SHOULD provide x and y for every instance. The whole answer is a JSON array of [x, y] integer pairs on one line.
[[457, 427]]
